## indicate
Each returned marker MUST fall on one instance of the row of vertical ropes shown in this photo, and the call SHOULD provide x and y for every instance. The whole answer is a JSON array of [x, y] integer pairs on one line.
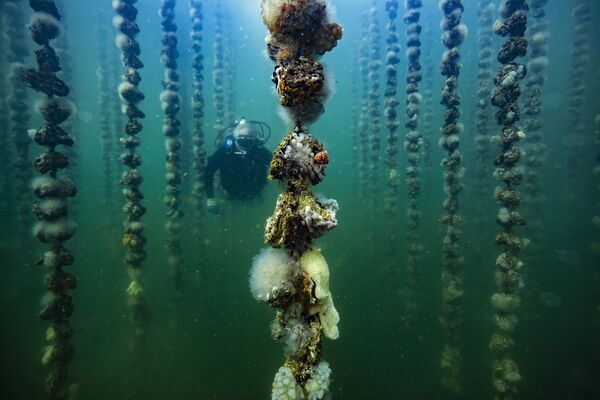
[[53, 189], [508, 278]]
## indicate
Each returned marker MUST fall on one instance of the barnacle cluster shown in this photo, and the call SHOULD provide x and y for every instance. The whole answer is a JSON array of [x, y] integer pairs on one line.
[[299, 33], [300, 217], [412, 145], [53, 190], [512, 25], [453, 35], [305, 307], [295, 279], [131, 96], [171, 103]]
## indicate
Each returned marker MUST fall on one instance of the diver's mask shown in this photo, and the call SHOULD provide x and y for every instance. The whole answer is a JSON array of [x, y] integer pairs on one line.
[[243, 136]]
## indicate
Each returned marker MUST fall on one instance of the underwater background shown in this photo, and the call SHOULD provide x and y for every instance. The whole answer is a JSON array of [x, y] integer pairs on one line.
[[214, 342]]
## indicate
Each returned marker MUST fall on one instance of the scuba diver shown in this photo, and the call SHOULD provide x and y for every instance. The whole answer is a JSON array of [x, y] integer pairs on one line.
[[242, 161]]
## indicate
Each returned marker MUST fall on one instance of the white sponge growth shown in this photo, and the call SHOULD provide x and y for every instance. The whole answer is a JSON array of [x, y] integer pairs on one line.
[[271, 273]]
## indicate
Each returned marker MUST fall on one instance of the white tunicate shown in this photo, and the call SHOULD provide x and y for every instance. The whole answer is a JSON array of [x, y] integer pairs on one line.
[[503, 215], [121, 40], [318, 384], [118, 21], [505, 302], [44, 182], [285, 386], [135, 227], [298, 151], [54, 232], [50, 260], [53, 206], [314, 265]]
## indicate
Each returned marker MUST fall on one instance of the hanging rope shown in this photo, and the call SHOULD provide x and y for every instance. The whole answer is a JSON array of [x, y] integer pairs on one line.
[[134, 239], [453, 35], [485, 35], [392, 123], [53, 190], [199, 152], [171, 103], [292, 275], [363, 121], [512, 25], [218, 70], [412, 145], [15, 31], [374, 106]]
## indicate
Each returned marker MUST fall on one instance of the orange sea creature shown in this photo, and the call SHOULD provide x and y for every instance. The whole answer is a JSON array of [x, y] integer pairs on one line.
[[322, 157]]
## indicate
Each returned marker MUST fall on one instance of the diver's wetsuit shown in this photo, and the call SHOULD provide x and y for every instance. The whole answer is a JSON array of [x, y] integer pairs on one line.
[[242, 176]]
